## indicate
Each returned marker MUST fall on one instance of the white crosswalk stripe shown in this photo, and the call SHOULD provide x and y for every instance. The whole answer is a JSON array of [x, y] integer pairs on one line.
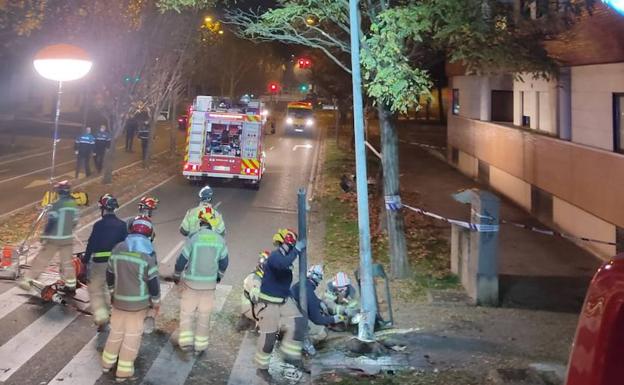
[[11, 300]]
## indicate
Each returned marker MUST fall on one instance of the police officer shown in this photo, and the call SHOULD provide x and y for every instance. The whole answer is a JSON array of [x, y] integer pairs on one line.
[[57, 238], [280, 312], [83, 146], [106, 233], [190, 223], [132, 278], [102, 143], [199, 268], [143, 134], [131, 129]]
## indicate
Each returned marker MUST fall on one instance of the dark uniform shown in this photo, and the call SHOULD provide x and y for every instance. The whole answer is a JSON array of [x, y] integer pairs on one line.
[[84, 145], [143, 134], [131, 129], [102, 143]]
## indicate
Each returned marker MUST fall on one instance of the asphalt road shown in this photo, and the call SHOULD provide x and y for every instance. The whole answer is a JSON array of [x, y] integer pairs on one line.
[[24, 176], [51, 345]]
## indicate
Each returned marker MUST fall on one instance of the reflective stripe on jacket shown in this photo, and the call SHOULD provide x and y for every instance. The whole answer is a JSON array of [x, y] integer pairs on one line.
[[62, 218], [133, 275], [203, 259]]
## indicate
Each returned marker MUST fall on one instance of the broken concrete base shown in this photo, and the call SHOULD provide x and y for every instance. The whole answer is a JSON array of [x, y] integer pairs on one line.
[[374, 348], [535, 374], [342, 362]]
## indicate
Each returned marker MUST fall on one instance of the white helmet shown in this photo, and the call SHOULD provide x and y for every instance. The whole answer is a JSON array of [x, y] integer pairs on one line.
[[205, 194], [315, 273], [341, 280]]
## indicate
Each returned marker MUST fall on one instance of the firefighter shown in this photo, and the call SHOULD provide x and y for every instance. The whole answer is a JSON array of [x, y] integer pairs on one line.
[[106, 233], [143, 134], [190, 223], [341, 297], [200, 266], [83, 147], [132, 278], [57, 238], [146, 207], [102, 143], [317, 311], [280, 313], [249, 300]]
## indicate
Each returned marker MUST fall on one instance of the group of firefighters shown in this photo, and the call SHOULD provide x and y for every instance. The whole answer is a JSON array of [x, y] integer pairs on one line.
[[122, 273]]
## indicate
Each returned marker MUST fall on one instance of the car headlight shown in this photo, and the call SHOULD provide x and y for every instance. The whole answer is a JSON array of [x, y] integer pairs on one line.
[[265, 113], [309, 122], [289, 120]]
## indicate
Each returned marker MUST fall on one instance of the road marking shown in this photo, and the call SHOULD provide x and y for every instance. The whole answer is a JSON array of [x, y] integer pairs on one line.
[[308, 146], [35, 172], [244, 371], [85, 367], [33, 338], [13, 160], [174, 251], [168, 368], [43, 182], [11, 300], [4, 170]]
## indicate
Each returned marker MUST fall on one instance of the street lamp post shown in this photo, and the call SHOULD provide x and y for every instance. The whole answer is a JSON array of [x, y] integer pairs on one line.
[[62, 63]]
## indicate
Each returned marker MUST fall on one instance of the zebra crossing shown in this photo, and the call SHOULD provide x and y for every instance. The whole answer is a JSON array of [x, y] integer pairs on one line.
[[24, 355]]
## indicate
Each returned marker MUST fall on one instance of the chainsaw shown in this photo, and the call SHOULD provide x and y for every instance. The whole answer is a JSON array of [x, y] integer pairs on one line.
[[56, 293]]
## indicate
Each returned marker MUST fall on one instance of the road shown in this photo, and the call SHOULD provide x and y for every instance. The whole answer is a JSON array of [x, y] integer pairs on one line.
[[52, 345], [24, 176]]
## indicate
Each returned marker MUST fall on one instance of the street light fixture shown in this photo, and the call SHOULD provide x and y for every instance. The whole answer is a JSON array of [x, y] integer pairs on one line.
[[62, 63]]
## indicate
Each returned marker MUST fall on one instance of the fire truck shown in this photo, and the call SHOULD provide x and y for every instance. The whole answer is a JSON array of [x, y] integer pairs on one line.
[[224, 142]]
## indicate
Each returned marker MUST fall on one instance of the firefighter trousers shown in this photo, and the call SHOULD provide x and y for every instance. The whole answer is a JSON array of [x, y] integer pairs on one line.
[[124, 341], [99, 298], [195, 309], [64, 248], [284, 318]]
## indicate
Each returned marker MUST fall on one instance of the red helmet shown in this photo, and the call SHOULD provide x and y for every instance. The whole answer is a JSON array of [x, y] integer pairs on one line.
[[285, 236], [63, 187], [142, 225], [108, 202], [149, 203]]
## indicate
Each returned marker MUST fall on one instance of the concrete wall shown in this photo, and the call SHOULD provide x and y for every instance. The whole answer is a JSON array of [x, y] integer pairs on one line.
[[537, 99], [586, 183], [592, 103], [475, 94]]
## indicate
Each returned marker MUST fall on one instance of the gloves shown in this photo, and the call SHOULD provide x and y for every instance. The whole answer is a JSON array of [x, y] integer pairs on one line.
[[301, 244], [339, 318]]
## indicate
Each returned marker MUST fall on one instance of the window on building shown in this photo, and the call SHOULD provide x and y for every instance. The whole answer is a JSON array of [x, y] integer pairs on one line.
[[618, 123], [455, 101], [502, 106]]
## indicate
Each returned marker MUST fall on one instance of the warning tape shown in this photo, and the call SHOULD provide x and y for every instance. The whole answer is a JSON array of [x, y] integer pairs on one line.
[[471, 226], [556, 233]]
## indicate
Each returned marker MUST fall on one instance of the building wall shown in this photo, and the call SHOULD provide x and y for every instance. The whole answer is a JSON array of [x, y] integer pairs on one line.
[[475, 93], [592, 103], [537, 99], [585, 184]]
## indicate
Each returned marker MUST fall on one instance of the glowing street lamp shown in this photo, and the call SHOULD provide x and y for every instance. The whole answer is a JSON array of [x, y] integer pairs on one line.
[[618, 5], [62, 63]]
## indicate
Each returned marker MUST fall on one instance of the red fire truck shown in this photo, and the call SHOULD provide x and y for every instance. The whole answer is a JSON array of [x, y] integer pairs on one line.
[[224, 142]]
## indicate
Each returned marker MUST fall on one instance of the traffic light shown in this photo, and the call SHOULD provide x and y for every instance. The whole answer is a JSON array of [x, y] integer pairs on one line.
[[304, 88], [273, 87], [131, 79], [304, 63]]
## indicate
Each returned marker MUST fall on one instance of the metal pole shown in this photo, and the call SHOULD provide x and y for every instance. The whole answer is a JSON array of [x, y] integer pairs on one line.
[[368, 306], [56, 124], [303, 258]]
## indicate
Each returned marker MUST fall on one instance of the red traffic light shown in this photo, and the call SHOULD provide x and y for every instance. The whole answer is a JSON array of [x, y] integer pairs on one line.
[[304, 62], [307, 63], [273, 87]]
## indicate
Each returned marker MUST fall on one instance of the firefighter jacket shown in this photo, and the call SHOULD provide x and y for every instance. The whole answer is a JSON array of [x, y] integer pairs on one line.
[[132, 274], [315, 313], [190, 223], [278, 276], [84, 144], [106, 233], [62, 218], [203, 260], [102, 141], [342, 303]]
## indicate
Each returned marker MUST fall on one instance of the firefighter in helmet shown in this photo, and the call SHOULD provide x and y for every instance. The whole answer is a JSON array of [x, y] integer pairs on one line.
[[106, 233], [190, 223], [57, 238], [341, 297], [199, 268], [147, 205], [132, 278], [280, 313], [251, 290]]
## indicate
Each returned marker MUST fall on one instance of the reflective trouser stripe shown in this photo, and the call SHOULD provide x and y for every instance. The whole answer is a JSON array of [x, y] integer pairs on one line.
[[291, 349], [125, 367], [263, 359], [201, 343], [70, 282], [109, 358], [186, 338]]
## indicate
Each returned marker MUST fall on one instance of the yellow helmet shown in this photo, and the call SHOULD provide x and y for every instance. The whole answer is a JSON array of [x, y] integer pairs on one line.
[[286, 236], [207, 217]]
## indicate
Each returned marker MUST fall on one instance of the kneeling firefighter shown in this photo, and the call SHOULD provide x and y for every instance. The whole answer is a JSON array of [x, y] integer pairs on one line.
[[200, 266], [251, 290], [280, 313]]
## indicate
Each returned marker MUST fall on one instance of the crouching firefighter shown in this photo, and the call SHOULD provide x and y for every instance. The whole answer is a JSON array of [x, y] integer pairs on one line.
[[199, 268], [132, 278], [249, 301], [106, 234], [281, 313], [57, 238]]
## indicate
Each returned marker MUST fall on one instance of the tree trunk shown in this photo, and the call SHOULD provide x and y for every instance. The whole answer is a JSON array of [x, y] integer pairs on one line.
[[441, 105], [399, 266]]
